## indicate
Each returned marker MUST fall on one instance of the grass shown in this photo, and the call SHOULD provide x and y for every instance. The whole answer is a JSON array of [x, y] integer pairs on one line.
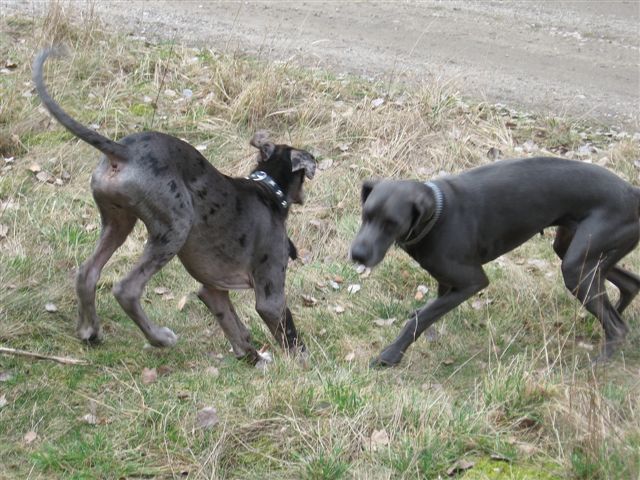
[[507, 386]]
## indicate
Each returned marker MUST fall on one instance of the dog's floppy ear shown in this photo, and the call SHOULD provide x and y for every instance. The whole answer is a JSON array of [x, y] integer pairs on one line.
[[301, 160], [260, 140], [367, 186], [422, 205]]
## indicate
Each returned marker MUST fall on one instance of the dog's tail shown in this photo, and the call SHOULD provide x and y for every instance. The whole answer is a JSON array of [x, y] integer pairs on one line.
[[105, 145]]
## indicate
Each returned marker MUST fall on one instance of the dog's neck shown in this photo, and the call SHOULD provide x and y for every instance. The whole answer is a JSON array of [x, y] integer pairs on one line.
[[262, 177], [421, 228]]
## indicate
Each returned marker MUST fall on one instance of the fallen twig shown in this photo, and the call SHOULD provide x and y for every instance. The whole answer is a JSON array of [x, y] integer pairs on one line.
[[24, 353]]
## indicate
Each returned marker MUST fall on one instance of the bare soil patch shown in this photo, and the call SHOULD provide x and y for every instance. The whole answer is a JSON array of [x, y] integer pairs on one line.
[[579, 59]]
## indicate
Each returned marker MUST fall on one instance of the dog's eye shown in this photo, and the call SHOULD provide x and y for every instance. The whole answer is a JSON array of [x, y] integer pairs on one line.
[[390, 225]]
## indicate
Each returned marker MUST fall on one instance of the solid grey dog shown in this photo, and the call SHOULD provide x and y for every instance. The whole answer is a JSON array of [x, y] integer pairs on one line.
[[455, 224], [229, 233]]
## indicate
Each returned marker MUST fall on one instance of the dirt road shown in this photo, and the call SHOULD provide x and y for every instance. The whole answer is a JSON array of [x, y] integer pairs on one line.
[[580, 58]]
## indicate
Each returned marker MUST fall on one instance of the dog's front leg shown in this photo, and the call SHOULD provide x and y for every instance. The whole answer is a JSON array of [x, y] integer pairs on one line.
[[271, 305], [425, 317]]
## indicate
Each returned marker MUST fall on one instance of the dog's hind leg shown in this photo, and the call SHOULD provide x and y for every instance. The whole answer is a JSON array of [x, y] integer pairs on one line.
[[587, 263], [116, 226], [626, 282], [463, 282], [165, 240], [218, 302]]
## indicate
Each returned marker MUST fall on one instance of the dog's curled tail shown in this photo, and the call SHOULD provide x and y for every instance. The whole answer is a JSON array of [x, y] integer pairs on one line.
[[93, 138]]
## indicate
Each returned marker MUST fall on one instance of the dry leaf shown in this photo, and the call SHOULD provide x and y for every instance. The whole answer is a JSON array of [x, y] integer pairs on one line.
[[183, 395], [499, 458], [3, 400], [448, 361], [585, 345], [480, 303], [207, 418], [529, 146], [421, 291], [538, 264], [4, 230], [266, 358], [170, 93], [459, 467], [494, 153], [379, 439], [93, 419], [35, 168], [304, 255], [51, 307], [377, 102], [363, 271], [350, 357], [30, 436], [317, 224], [164, 370], [149, 375], [265, 354], [338, 309], [161, 290], [354, 288], [325, 164], [526, 448], [90, 419], [182, 302], [381, 322], [308, 300], [44, 177]]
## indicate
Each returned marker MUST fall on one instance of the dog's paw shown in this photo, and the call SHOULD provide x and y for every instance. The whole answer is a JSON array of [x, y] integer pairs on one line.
[[89, 334], [164, 337], [386, 359], [609, 349]]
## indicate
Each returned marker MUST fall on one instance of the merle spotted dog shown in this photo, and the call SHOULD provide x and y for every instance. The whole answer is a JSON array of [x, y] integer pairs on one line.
[[229, 233]]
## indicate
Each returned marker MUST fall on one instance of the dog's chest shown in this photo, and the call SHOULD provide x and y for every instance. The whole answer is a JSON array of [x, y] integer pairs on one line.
[[214, 266]]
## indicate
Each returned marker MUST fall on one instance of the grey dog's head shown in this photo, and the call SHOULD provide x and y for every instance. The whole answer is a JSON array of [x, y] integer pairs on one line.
[[390, 209]]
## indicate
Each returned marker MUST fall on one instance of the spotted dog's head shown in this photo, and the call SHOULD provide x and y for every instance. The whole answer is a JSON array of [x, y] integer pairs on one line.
[[286, 165]]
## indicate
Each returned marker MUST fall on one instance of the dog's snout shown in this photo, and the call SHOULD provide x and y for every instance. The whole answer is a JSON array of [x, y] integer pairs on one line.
[[359, 253]]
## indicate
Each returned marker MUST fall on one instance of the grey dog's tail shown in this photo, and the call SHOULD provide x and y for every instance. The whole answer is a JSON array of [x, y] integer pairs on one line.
[[105, 145]]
